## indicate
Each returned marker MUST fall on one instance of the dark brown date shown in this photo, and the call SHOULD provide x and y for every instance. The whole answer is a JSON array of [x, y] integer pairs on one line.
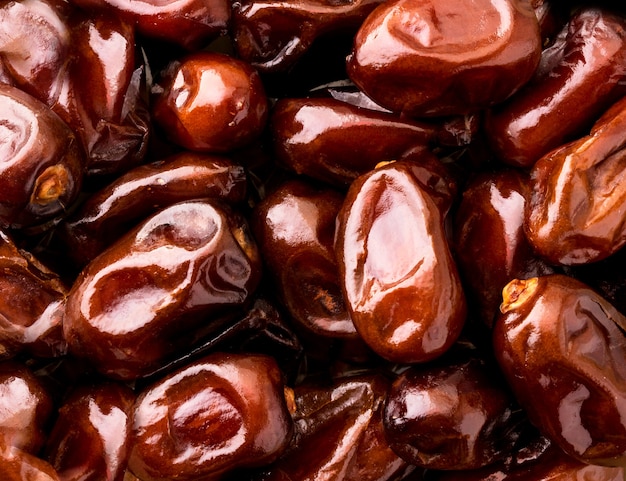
[[160, 288], [91, 434], [223, 412], [42, 168], [339, 434], [400, 281], [31, 305], [490, 244], [295, 229], [577, 211], [130, 198], [579, 76], [455, 415], [210, 102], [18, 465], [189, 23], [273, 35], [442, 57], [562, 347], [25, 408]]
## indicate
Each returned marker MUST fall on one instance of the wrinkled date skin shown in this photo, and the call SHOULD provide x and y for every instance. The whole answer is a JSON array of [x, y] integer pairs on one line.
[[222, 412], [25, 408], [294, 227], [91, 434], [18, 465], [442, 57], [84, 69], [490, 244], [335, 142], [273, 35], [562, 350], [189, 23], [339, 434], [399, 279], [130, 198], [161, 287], [31, 305], [42, 163], [210, 102], [579, 77], [455, 415], [549, 463], [577, 211]]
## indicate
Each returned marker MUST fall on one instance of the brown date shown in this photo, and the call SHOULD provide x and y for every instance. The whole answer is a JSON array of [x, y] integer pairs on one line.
[[31, 305], [579, 77], [18, 465], [25, 408], [295, 229], [91, 434], [399, 279], [453, 415], [142, 191], [577, 211], [160, 288], [210, 102], [273, 35], [442, 57], [42, 168], [490, 244], [562, 347], [223, 412]]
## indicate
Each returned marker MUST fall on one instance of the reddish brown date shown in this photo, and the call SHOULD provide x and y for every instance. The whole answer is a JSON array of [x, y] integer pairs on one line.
[[18, 465], [25, 408], [91, 434], [223, 412], [562, 347], [42, 168], [577, 211], [490, 244], [399, 279], [579, 77], [31, 305], [454, 415], [443, 57], [339, 434], [273, 35], [210, 102], [130, 198], [160, 288], [295, 228], [189, 23]]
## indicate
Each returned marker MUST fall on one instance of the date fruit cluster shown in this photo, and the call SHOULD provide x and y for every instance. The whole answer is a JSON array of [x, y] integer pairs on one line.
[[312, 240]]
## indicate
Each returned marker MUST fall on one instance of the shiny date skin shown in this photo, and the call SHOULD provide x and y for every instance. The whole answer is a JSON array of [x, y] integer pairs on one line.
[[161, 288], [273, 35], [561, 347], [31, 306], [42, 169], [443, 57], [490, 245], [18, 465], [90, 437], [84, 68], [25, 408], [579, 77], [294, 227], [339, 434], [454, 415], [191, 24], [392, 251], [210, 102], [140, 192], [577, 211], [222, 412], [335, 141]]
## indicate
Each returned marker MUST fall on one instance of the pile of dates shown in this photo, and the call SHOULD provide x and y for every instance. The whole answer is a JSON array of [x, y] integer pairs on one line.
[[291, 240]]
